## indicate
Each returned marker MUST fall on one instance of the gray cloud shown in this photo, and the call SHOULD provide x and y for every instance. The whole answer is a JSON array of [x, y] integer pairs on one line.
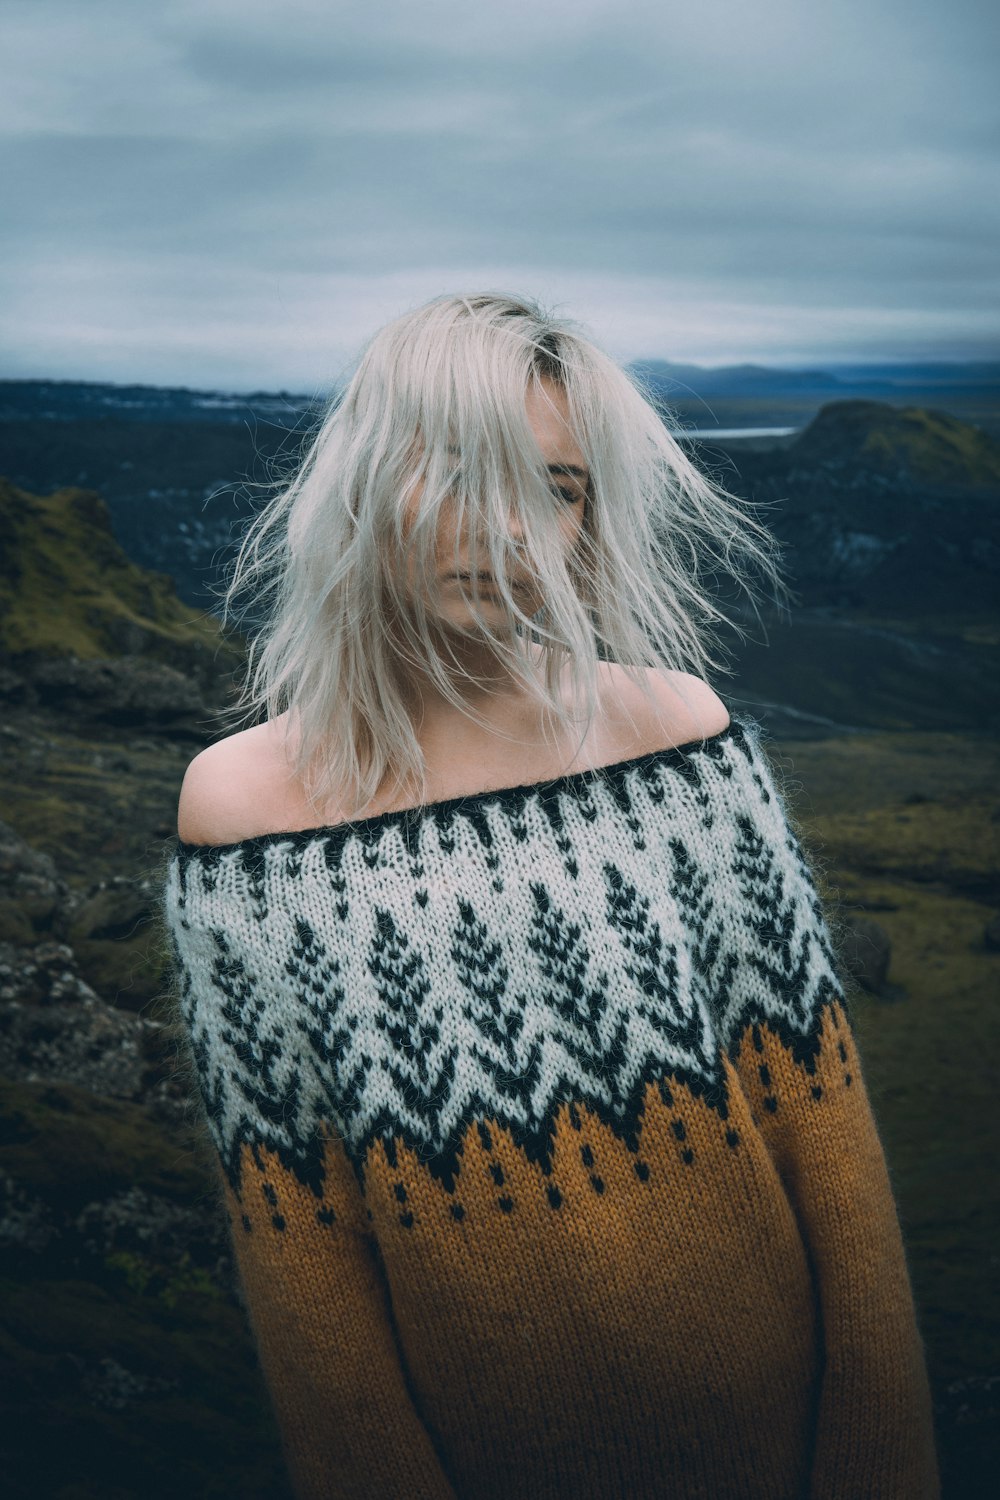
[[229, 193]]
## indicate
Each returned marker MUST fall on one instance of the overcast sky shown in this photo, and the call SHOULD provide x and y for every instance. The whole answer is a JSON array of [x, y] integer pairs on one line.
[[227, 193]]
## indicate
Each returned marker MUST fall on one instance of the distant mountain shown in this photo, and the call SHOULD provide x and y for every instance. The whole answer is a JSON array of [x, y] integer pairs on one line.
[[731, 380], [865, 492], [181, 471], [675, 383], [981, 374], [75, 400], [735, 396]]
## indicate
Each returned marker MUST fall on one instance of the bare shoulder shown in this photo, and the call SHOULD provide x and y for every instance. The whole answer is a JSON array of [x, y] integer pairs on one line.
[[235, 788], [680, 707], [696, 709]]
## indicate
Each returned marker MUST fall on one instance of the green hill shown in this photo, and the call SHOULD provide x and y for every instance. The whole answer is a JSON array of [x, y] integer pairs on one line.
[[67, 588], [924, 447]]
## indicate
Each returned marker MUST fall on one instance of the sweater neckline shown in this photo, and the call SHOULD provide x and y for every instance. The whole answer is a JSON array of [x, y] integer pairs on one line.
[[675, 756]]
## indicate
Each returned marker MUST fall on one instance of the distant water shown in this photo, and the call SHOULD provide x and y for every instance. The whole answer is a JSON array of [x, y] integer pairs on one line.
[[734, 432]]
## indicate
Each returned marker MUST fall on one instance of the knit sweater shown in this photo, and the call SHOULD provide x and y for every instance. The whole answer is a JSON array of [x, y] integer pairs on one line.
[[547, 1155]]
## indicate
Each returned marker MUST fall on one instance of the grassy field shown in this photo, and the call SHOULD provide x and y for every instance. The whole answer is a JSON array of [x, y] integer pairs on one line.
[[906, 828]]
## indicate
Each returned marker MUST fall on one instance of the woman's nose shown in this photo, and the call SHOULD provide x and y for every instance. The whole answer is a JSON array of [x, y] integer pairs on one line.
[[515, 530]]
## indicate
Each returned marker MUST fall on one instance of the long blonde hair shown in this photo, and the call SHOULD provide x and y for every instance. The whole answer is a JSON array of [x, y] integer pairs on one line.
[[327, 556]]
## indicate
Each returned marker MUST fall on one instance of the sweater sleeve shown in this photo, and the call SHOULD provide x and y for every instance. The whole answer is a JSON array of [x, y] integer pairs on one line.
[[312, 1281], [792, 1043], [320, 1316]]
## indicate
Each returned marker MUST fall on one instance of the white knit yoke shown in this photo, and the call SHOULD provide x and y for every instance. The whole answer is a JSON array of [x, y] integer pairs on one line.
[[497, 954]]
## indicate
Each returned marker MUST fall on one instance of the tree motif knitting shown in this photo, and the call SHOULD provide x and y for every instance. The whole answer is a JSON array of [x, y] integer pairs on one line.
[[498, 954], [545, 1148]]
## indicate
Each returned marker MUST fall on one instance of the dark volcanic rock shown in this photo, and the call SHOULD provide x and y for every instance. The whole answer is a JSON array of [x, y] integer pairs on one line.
[[111, 1387], [26, 1222], [54, 1028], [118, 946], [128, 691], [111, 912], [866, 951], [100, 940], [90, 1044], [43, 975], [148, 1223], [30, 889]]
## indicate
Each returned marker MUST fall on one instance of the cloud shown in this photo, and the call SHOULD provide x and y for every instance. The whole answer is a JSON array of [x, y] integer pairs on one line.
[[232, 193]]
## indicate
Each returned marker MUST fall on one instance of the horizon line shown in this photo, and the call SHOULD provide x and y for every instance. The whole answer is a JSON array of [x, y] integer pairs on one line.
[[806, 367]]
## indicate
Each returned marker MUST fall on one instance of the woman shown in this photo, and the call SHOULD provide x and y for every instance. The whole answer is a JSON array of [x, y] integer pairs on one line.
[[512, 1004]]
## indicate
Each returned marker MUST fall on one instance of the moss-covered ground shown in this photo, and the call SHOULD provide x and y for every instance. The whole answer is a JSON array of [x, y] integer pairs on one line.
[[130, 1374], [906, 830], [101, 801]]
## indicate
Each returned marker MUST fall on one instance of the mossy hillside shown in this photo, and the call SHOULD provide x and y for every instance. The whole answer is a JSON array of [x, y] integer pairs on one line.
[[76, 1326], [103, 808], [928, 447], [67, 587], [889, 527], [72, 1146], [100, 807], [847, 774], [903, 829], [929, 1069], [951, 841]]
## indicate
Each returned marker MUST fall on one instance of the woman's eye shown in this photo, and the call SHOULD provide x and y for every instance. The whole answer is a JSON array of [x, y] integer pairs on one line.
[[570, 496]]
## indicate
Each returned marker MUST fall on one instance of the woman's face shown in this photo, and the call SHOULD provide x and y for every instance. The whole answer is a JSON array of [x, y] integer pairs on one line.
[[548, 416]]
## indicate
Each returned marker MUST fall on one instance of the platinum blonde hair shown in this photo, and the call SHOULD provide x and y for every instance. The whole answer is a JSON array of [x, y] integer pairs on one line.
[[438, 399]]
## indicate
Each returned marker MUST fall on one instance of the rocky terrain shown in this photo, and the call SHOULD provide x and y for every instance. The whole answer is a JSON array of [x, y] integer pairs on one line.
[[129, 1372], [122, 1340]]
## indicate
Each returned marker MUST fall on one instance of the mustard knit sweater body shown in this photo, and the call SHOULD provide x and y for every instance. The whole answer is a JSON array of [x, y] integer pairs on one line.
[[549, 1164]]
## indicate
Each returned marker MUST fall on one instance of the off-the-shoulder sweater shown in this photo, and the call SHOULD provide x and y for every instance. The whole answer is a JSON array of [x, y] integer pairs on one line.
[[549, 1164]]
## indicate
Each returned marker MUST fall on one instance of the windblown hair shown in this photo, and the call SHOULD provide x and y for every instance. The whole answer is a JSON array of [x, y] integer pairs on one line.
[[438, 398]]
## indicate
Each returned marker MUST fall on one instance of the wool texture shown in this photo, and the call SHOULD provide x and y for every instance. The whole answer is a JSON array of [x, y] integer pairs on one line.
[[550, 1168]]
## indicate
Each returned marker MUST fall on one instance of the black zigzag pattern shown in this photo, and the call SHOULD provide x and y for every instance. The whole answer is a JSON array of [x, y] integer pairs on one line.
[[497, 956]]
